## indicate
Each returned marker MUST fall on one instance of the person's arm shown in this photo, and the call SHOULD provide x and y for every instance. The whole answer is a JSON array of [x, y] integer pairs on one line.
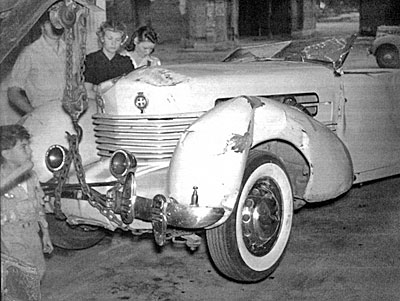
[[18, 99], [47, 244], [44, 226], [19, 77], [90, 90]]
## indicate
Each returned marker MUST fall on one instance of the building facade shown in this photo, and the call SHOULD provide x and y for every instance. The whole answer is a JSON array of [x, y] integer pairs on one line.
[[375, 13], [217, 22]]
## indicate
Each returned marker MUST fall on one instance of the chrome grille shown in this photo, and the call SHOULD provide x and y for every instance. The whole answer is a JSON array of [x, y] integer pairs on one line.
[[148, 138]]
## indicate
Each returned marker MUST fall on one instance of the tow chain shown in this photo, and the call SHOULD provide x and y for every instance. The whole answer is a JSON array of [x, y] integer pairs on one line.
[[93, 198], [75, 103], [108, 213], [75, 97], [61, 179]]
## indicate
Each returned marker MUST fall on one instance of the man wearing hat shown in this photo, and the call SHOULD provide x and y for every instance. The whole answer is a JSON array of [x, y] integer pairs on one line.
[[38, 75]]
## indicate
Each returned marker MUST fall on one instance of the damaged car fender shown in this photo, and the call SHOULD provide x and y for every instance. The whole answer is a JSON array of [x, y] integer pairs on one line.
[[210, 158], [318, 162]]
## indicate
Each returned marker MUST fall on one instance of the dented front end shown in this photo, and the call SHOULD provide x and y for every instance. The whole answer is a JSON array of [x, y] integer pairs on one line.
[[199, 187], [211, 154], [207, 167]]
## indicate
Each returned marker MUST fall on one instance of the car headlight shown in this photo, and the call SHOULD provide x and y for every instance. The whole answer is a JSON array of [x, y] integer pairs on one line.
[[121, 162], [56, 157]]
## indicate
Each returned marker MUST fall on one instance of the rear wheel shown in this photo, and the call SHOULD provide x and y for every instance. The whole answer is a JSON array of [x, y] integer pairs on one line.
[[387, 56], [70, 237], [250, 244]]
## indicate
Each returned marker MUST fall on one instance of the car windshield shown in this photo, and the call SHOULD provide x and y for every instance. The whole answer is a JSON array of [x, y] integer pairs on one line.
[[332, 51]]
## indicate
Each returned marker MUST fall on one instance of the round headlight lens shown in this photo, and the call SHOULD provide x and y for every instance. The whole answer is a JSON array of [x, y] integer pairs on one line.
[[121, 162], [55, 157]]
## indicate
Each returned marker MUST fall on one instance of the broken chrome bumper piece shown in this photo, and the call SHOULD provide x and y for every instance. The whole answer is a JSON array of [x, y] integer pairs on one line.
[[162, 212]]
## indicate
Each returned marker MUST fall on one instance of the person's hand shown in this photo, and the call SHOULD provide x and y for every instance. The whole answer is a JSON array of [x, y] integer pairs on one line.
[[151, 61], [47, 244]]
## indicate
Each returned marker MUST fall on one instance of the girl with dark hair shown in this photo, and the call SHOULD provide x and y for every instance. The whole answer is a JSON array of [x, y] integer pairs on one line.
[[141, 47]]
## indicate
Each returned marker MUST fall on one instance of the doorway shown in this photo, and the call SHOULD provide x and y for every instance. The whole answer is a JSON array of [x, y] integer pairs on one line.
[[264, 18]]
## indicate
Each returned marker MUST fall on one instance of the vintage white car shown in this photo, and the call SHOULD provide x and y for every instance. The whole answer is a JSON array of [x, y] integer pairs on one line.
[[230, 149]]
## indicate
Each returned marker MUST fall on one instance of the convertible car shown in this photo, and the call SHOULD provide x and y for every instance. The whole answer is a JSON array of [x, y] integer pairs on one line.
[[229, 148]]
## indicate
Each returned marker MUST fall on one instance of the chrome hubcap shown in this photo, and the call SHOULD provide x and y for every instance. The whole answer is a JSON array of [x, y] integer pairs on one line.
[[388, 57], [262, 216]]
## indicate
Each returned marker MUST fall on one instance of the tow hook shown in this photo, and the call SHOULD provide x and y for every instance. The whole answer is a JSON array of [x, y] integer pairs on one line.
[[159, 218], [159, 222], [192, 241], [163, 211]]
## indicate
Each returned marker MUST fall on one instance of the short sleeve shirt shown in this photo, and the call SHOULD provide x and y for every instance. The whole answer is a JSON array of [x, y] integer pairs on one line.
[[21, 204], [98, 68], [40, 72]]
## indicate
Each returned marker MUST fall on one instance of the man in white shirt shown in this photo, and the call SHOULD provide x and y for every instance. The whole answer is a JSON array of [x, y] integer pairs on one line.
[[38, 75]]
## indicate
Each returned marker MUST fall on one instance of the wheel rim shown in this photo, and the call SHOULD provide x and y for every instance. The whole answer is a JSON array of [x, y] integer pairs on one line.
[[389, 57], [261, 217], [268, 252]]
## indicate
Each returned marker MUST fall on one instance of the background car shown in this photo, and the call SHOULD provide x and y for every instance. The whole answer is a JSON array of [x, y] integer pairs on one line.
[[386, 47]]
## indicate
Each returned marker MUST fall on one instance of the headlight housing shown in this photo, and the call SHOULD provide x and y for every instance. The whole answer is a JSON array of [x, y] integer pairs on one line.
[[56, 157], [121, 162]]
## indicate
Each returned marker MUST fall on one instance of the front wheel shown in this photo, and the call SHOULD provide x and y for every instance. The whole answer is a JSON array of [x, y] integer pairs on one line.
[[250, 244], [70, 237]]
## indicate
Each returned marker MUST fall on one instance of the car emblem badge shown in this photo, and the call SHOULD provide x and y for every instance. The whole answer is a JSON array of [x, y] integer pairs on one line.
[[141, 102]]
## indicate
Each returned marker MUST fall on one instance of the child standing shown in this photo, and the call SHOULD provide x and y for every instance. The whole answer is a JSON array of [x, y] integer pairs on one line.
[[22, 206]]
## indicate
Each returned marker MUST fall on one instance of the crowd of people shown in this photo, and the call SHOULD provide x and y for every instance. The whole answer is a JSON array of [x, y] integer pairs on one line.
[[38, 77]]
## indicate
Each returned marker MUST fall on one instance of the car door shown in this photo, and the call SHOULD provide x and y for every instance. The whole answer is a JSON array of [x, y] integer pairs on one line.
[[371, 125]]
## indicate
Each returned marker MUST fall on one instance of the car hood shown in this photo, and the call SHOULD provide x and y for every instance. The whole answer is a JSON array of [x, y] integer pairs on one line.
[[184, 88]]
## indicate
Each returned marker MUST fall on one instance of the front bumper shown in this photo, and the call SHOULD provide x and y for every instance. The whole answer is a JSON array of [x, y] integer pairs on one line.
[[163, 212], [175, 214]]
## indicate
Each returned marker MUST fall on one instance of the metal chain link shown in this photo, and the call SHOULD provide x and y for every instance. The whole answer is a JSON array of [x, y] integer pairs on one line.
[[75, 97], [83, 35], [75, 103], [93, 199], [61, 179], [108, 213]]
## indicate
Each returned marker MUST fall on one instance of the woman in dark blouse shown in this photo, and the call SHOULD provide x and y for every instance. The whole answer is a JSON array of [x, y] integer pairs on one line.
[[107, 63]]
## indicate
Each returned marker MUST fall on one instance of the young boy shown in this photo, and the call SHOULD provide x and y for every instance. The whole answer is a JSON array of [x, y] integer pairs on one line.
[[22, 211]]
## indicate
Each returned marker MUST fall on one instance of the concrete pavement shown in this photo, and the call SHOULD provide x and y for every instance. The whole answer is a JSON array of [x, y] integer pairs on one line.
[[347, 249]]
